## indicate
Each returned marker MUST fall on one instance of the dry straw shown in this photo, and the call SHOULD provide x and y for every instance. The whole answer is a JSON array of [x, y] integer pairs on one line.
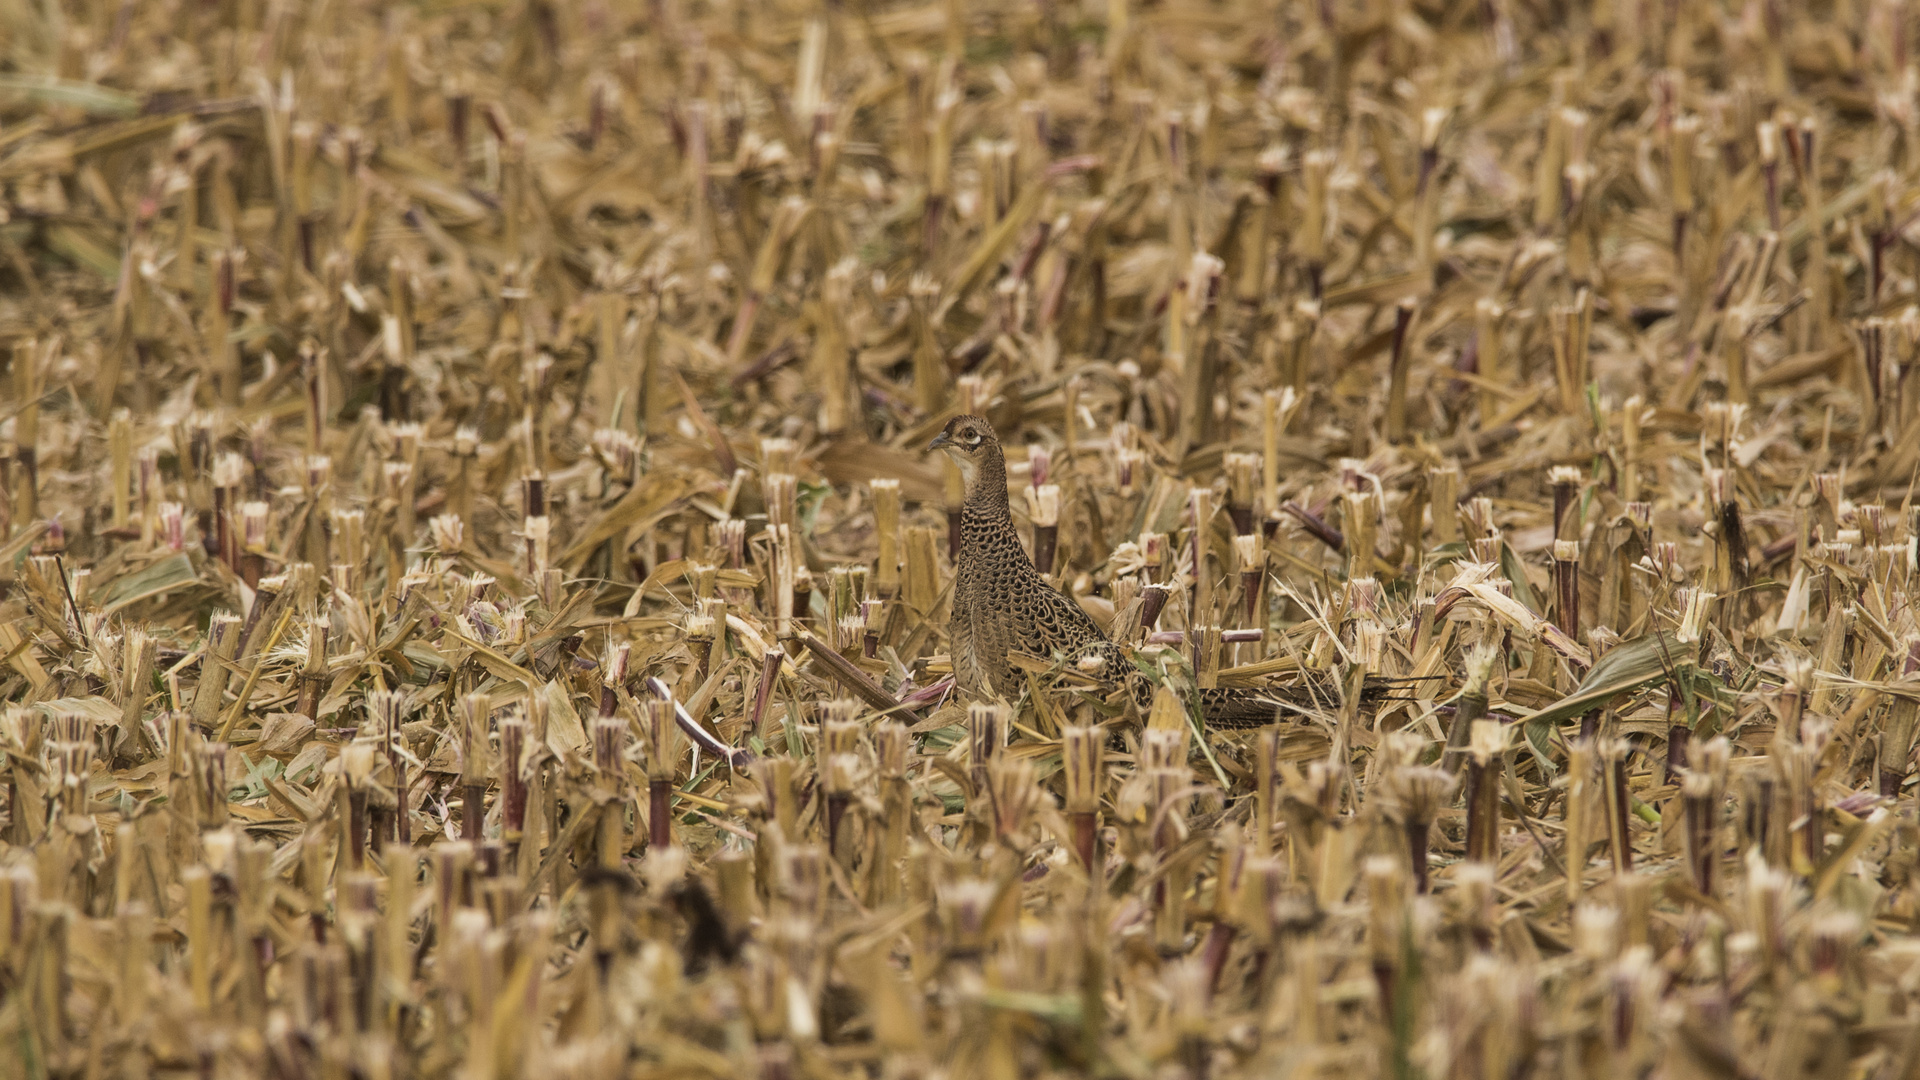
[[473, 602]]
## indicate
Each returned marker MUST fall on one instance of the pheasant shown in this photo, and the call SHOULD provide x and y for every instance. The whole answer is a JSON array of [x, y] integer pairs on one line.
[[1001, 604]]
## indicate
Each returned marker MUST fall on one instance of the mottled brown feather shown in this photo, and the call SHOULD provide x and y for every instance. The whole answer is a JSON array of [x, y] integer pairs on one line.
[[1001, 604]]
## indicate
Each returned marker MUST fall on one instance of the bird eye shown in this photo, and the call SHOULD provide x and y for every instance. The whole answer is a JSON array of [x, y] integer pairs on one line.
[[973, 438]]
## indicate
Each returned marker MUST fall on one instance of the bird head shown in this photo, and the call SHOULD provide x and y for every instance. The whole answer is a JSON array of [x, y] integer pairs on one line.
[[967, 440]]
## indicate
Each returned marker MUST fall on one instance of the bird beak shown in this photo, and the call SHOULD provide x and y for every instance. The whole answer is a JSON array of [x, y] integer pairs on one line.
[[940, 442]]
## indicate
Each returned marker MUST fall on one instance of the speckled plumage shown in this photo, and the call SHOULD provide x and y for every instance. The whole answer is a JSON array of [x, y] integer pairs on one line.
[[1001, 604]]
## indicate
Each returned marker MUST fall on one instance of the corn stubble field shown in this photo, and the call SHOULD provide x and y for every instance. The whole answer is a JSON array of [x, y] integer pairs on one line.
[[473, 602]]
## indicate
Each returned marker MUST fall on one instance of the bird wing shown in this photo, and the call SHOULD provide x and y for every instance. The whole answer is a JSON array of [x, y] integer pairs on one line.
[[971, 669], [1053, 624]]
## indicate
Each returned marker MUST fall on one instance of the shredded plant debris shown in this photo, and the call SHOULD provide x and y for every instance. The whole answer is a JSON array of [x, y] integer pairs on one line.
[[475, 597]]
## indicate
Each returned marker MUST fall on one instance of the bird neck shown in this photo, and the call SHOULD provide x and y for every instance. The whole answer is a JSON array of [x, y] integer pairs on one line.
[[987, 487]]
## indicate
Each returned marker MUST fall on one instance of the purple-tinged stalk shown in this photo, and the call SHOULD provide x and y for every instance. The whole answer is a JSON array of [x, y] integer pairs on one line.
[[1417, 793], [1475, 891], [356, 772], [1260, 888], [1266, 788], [1565, 482], [1613, 753], [609, 763], [348, 547], [769, 673], [783, 581], [70, 765], [661, 737], [1767, 133], [1193, 320], [892, 754], [385, 709], [886, 522], [1443, 500], [1682, 133], [1397, 370], [1880, 211], [1251, 557], [227, 474], [1702, 792], [120, 457], [223, 639], [147, 490], [1679, 737], [466, 453], [264, 601], [1129, 470], [1169, 790], [1632, 414], [921, 589], [27, 390], [1252, 283], [1770, 897], [198, 471], [1571, 337], [1471, 706], [870, 622], [1360, 523], [1153, 600], [1789, 699], [1243, 476], [1386, 891], [1807, 160], [1163, 758], [613, 675], [787, 219], [1083, 750], [538, 535], [1316, 168], [699, 630], [253, 542], [1277, 409], [399, 479], [1578, 817], [1227, 885], [1153, 556], [1730, 565], [1796, 765], [1566, 582], [987, 726], [139, 653], [1204, 642], [836, 765], [1200, 510], [515, 737], [939, 167], [1487, 752], [1043, 507], [475, 762], [1433, 122], [730, 536]]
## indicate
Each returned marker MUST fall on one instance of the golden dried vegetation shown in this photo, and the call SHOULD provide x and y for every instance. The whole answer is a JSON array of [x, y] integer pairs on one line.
[[473, 602]]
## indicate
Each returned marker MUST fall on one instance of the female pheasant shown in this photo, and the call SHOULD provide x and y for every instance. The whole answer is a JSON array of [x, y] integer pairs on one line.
[[1001, 604]]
